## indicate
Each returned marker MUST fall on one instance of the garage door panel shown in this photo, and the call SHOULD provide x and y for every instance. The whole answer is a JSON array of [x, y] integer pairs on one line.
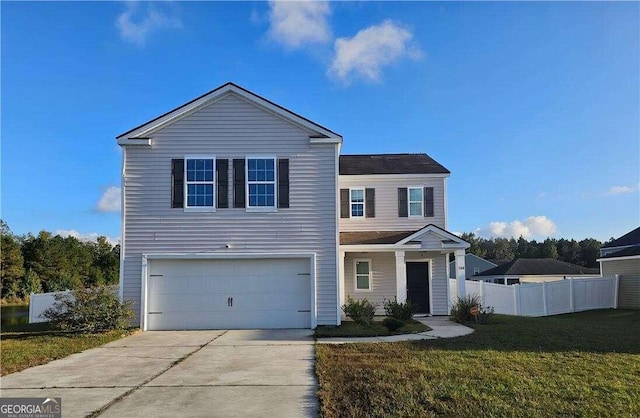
[[194, 294]]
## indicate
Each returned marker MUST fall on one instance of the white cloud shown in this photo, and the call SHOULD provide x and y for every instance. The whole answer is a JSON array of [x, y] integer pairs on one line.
[[92, 236], [298, 23], [532, 227], [372, 49], [138, 21], [623, 189], [110, 200]]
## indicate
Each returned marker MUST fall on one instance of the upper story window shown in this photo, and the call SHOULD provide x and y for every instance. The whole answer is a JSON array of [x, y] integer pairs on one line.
[[416, 200], [261, 182], [357, 203], [199, 181]]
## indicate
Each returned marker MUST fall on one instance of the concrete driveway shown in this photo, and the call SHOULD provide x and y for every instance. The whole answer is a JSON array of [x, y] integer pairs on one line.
[[181, 373]]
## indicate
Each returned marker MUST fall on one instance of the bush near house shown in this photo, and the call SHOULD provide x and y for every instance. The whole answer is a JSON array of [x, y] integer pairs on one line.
[[398, 310], [470, 309], [361, 312], [90, 310]]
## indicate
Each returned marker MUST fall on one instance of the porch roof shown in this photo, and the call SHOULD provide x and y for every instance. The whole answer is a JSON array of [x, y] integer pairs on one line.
[[373, 237]]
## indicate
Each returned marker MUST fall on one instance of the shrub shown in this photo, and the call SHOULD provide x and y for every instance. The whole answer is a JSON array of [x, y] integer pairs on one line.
[[362, 311], [397, 310], [90, 310], [461, 310], [393, 324]]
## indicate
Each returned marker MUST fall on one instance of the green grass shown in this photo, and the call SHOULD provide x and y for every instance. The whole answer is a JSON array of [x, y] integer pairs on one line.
[[585, 364], [351, 329], [24, 346]]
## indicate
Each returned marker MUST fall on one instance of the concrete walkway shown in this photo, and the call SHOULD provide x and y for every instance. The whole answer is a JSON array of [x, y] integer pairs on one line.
[[441, 327], [181, 373]]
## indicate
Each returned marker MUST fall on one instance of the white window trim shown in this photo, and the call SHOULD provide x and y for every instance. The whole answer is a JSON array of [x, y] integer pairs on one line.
[[476, 270], [364, 203], [273, 208], [409, 201], [355, 275], [185, 205]]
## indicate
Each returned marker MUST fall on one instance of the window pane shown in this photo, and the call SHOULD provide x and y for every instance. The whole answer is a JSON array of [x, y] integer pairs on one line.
[[362, 267], [415, 209], [357, 195], [262, 195], [200, 195], [200, 170], [362, 282], [357, 210], [415, 195]]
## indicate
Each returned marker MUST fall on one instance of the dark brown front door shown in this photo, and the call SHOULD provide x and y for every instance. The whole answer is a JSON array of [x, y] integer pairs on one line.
[[418, 285]]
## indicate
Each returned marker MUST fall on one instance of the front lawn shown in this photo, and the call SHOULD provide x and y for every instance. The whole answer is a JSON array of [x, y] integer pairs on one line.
[[377, 329], [29, 345], [583, 364]]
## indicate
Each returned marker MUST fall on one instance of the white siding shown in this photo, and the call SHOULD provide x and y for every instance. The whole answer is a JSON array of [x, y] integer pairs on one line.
[[386, 203], [383, 272], [232, 128], [384, 278]]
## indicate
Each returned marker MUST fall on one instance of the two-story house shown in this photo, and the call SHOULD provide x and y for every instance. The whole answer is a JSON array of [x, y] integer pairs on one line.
[[238, 213]]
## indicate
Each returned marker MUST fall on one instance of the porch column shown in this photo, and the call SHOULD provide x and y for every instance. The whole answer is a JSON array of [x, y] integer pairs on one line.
[[460, 273], [341, 296], [401, 277]]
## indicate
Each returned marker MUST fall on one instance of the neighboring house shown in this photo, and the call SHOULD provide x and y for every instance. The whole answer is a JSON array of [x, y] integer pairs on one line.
[[622, 257], [472, 265], [232, 205], [535, 270]]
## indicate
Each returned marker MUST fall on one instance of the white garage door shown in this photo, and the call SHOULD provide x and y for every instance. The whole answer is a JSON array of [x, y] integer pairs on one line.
[[228, 294]]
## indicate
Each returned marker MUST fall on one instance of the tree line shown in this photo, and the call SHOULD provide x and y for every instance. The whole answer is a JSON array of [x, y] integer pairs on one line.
[[48, 263], [583, 253]]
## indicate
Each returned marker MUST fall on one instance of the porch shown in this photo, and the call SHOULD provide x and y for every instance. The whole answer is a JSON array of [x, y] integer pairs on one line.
[[401, 265]]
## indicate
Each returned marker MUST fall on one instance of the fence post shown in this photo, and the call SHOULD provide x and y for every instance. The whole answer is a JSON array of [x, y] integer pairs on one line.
[[516, 299], [544, 297], [571, 300], [482, 291], [31, 306], [616, 283]]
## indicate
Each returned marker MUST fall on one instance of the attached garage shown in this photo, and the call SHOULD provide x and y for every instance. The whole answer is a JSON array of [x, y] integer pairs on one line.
[[250, 292]]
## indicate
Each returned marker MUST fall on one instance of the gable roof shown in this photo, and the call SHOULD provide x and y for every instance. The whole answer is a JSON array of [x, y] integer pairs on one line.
[[630, 238], [215, 94], [626, 252], [390, 164], [537, 266], [470, 255]]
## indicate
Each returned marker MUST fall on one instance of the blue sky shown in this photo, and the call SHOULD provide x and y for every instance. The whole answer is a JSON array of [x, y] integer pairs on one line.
[[534, 107]]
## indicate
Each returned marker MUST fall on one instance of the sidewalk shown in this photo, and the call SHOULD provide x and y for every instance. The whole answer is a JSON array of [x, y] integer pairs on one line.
[[441, 327]]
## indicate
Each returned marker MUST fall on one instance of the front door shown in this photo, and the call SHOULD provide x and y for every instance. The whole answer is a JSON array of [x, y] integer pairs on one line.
[[418, 285]]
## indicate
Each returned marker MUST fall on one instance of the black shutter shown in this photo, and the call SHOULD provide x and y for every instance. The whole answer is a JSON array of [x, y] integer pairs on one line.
[[238, 183], [344, 203], [222, 178], [283, 183], [177, 183], [428, 201], [370, 202], [403, 209]]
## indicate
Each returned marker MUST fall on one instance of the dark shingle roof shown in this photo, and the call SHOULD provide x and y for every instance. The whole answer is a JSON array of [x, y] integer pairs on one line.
[[373, 237], [537, 266], [631, 238], [390, 164], [626, 252]]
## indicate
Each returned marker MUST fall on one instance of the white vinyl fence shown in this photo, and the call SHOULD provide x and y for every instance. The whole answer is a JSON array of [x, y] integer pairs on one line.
[[40, 302], [547, 298]]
